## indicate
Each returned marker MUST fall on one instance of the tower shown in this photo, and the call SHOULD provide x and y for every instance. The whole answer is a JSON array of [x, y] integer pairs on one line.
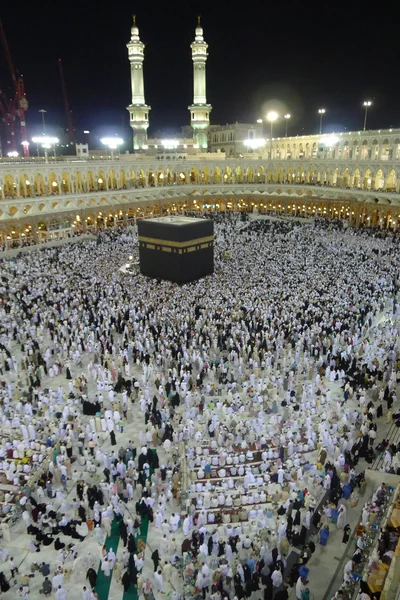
[[138, 109], [199, 110]]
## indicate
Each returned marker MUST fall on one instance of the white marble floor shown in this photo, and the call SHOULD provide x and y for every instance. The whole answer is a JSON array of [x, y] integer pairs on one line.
[[89, 550]]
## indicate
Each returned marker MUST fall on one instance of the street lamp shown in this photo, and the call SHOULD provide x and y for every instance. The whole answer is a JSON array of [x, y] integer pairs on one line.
[[367, 104], [43, 113], [46, 142], [112, 143], [321, 112], [272, 117], [286, 117]]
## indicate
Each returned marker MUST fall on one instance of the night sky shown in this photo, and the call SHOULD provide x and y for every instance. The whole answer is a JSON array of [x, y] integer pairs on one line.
[[292, 56]]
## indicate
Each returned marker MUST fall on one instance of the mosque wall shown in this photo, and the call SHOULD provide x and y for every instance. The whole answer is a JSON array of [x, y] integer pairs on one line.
[[38, 197]]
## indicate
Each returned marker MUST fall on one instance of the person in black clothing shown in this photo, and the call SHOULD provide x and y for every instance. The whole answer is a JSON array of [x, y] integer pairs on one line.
[[155, 557], [82, 513], [123, 531], [58, 545], [126, 581], [269, 590], [239, 591], [131, 544], [282, 594], [92, 576], [210, 545]]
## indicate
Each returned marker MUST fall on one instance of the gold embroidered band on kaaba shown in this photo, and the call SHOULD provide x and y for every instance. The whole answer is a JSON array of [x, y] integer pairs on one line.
[[171, 246]]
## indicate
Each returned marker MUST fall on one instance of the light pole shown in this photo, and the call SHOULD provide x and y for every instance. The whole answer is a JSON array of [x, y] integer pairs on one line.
[[367, 104], [43, 113], [112, 143], [46, 142], [321, 112], [286, 117], [271, 117]]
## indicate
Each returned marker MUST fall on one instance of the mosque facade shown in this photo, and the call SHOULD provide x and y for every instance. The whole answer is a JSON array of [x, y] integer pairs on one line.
[[352, 175], [37, 198]]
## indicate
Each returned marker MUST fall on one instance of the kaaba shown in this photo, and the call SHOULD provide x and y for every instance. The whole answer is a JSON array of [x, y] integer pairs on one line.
[[176, 248]]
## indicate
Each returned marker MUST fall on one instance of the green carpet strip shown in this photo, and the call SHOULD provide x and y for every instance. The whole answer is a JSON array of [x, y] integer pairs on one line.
[[103, 583], [132, 594]]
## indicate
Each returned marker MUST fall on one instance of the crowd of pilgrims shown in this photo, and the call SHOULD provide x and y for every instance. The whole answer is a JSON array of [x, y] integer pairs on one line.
[[85, 349]]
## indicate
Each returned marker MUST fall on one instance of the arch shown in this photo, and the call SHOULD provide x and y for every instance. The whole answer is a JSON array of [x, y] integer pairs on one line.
[[25, 185], [357, 178], [183, 177], [327, 177], [10, 187], [379, 181], [314, 150], [112, 180], [217, 175], [260, 175], [250, 175], [142, 178], [336, 177], [151, 178], [78, 182], [238, 175], [90, 182], [386, 150], [288, 151], [300, 176], [66, 186], [53, 185], [228, 175], [194, 175], [280, 175], [346, 178], [204, 175], [168, 177], [132, 178], [310, 175], [39, 185], [290, 175], [391, 181], [160, 177], [122, 179], [367, 180], [101, 181]]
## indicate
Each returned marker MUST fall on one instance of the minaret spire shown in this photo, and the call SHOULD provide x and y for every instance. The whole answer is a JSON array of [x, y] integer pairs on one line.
[[138, 109], [199, 110]]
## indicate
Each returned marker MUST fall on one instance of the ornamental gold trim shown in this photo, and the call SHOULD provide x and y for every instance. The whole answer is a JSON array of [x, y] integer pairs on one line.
[[172, 244]]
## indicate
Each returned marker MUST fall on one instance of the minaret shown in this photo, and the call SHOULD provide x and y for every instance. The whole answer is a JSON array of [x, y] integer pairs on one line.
[[200, 110], [138, 109]]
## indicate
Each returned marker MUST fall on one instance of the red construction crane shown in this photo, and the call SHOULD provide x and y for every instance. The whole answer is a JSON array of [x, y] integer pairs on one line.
[[13, 110], [68, 112]]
